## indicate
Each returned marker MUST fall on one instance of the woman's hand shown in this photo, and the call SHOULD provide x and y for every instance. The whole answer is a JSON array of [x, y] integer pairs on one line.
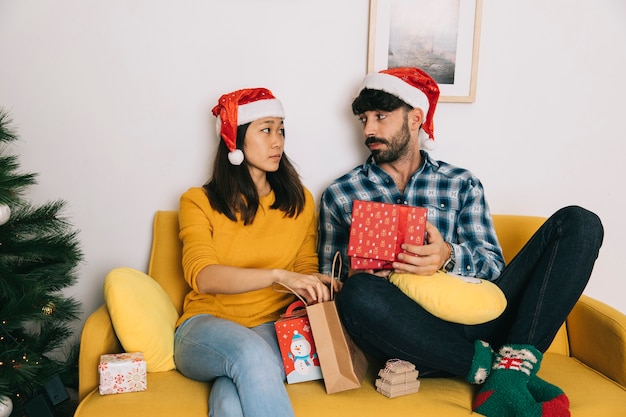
[[310, 287], [336, 283]]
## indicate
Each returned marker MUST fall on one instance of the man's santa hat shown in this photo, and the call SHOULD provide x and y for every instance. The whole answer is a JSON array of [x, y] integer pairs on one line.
[[413, 86], [241, 107]]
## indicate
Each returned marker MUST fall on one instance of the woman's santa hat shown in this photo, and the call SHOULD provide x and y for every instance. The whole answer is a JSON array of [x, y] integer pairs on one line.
[[241, 107], [413, 86]]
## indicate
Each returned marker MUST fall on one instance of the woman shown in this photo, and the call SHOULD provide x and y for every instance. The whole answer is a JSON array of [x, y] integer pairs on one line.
[[253, 225]]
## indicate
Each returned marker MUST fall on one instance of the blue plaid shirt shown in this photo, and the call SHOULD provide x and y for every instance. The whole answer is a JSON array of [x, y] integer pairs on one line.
[[456, 207]]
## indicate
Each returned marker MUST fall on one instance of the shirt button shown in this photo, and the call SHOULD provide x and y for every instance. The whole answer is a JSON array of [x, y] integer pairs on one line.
[[443, 205]]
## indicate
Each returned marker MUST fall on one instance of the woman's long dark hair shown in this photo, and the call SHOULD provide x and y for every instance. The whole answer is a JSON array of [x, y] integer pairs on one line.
[[231, 190]]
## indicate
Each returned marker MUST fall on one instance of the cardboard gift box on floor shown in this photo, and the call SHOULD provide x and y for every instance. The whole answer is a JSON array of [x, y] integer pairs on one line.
[[397, 378], [297, 346], [122, 372], [378, 230]]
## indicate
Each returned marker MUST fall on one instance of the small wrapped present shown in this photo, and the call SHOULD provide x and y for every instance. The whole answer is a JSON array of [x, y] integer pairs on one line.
[[397, 378], [394, 377], [297, 346], [378, 230], [122, 372]]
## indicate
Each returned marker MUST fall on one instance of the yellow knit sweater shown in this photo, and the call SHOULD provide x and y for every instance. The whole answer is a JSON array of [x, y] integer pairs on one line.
[[271, 241]]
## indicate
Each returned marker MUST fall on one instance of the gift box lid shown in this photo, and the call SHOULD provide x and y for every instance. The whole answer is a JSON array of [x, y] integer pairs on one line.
[[112, 358]]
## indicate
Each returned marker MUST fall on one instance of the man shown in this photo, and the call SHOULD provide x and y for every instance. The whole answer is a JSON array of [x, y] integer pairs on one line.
[[542, 284]]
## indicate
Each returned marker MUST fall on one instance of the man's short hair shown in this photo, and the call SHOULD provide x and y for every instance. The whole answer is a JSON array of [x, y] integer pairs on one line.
[[370, 99]]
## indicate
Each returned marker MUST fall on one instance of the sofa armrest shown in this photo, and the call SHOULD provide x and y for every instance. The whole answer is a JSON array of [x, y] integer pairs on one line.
[[597, 336], [97, 338]]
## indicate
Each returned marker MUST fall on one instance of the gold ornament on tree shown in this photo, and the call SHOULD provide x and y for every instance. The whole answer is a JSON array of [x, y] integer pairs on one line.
[[48, 309]]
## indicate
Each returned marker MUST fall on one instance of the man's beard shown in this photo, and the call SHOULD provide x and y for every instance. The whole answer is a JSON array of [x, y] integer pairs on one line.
[[396, 147]]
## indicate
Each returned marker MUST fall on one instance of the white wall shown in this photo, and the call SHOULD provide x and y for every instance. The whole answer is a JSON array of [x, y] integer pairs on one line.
[[112, 100]]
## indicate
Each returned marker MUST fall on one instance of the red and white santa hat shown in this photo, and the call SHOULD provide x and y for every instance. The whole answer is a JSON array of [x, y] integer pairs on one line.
[[241, 107], [413, 86]]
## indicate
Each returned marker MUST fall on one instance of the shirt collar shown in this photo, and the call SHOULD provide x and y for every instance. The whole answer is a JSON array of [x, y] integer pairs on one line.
[[426, 160]]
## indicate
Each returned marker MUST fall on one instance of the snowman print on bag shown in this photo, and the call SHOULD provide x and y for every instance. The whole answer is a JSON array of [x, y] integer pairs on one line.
[[301, 354]]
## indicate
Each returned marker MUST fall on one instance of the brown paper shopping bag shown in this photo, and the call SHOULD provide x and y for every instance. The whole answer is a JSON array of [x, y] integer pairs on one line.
[[343, 364]]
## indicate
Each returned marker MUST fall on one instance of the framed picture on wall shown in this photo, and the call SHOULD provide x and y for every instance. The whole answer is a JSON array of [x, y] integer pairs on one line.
[[439, 36]]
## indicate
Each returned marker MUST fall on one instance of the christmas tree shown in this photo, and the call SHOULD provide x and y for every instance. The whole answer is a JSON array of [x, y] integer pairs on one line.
[[39, 255]]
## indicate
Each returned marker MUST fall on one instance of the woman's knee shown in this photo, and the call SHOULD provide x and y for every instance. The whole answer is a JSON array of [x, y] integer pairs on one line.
[[206, 348], [254, 360]]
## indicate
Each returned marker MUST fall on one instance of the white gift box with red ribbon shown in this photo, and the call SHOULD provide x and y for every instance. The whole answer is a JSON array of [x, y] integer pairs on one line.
[[122, 372]]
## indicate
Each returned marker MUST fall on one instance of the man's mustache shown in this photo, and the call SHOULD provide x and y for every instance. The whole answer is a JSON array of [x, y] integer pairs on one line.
[[374, 139]]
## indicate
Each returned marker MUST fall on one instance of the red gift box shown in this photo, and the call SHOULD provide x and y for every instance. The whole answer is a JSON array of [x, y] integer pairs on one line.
[[378, 230], [297, 346]]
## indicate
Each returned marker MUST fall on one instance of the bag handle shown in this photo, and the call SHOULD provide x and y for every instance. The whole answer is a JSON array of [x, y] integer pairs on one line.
[[332, 272], [294, 310], [289, 290], [294, 306]]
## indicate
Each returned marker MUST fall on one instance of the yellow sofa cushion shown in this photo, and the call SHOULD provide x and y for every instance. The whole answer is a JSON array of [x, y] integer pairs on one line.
[[453, 298], [168, 394], [143, 316], [171, 394]]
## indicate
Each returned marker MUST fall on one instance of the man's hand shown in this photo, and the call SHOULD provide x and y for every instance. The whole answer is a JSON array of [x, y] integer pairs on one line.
[[423, 259], [383, 273]]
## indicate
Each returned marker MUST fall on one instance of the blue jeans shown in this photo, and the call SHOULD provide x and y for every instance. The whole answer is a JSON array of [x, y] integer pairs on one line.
[[541, 284], [243, 363]]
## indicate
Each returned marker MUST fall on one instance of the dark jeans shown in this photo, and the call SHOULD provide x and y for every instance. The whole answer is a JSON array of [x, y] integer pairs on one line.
[[542, 284]]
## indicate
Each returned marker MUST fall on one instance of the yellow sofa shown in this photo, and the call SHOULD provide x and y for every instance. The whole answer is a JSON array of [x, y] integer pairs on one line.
[[587, 359]]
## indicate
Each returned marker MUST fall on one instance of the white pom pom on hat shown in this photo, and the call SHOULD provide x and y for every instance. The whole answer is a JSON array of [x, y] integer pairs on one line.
[[416, 88], [235, 157], [241, 107]]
